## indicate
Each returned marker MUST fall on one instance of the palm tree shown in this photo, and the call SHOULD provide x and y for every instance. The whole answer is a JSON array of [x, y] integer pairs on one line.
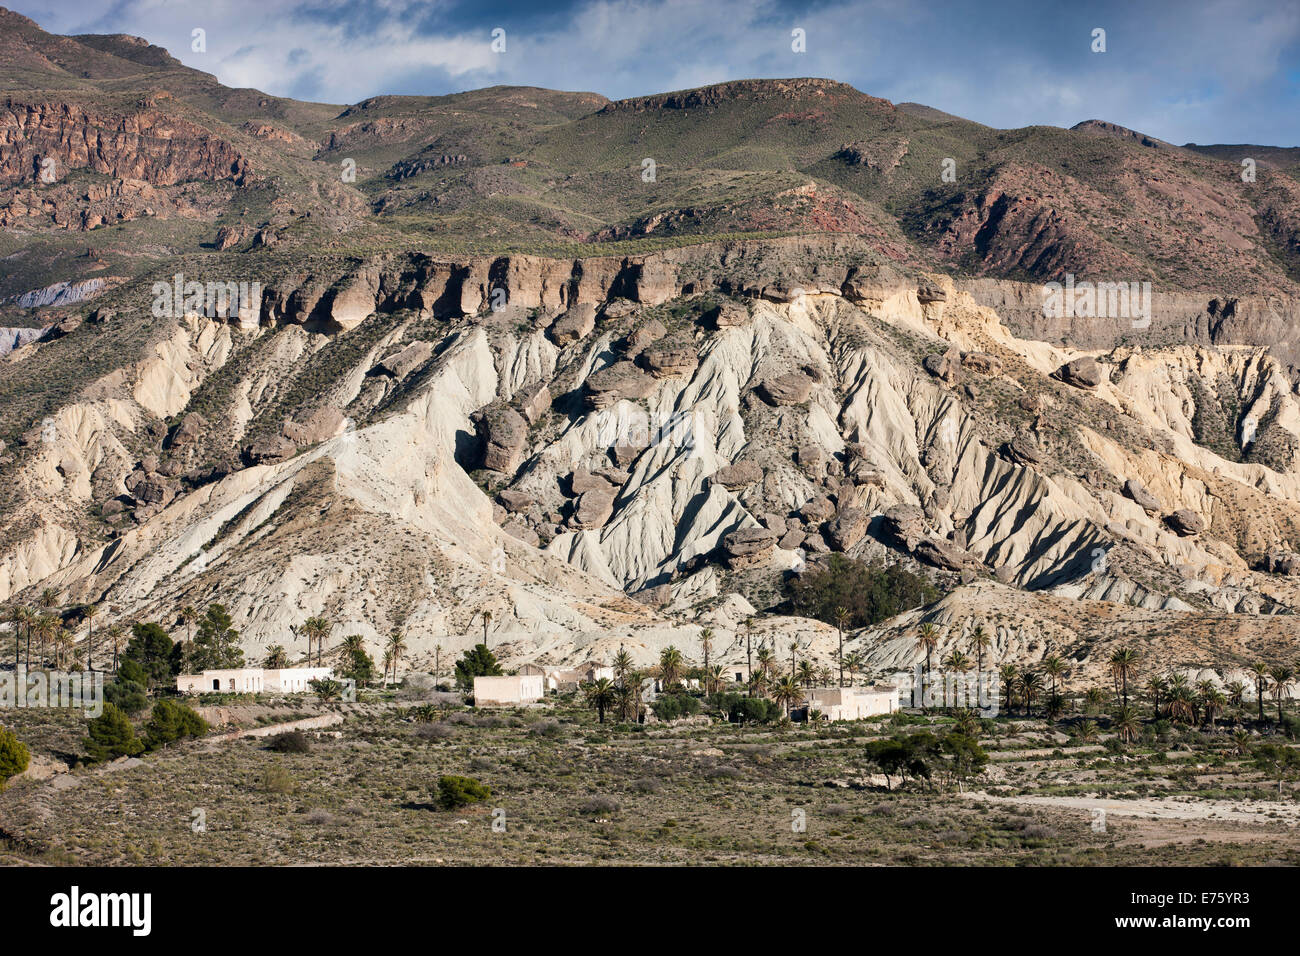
[[15, 614], [671, 663], [29, 623], [622, 664], [397, 647], [807, 673], [62, 645], [389, 657], [959, 662], [599, 695], [824, 675], [1086, 731], [1212, 703], [115, 637], [1095, 697], [437, 664], [713, 677], [841, 619], [1236, 693], [966, 723], [190, 615], [787, 692], [1157, 687], [1182, 703], [1054, 668], [794, 656], [766, 662], [706, 644], [276, 657], [1260, 670], [46, 627], [1127, 724], [49, 598], [1122, 662], [980, 640], [854, 663], [1008, 673], [927, 637], [1282, 676], [749, 656], [1030, 685], [89, 612], [317, 629]]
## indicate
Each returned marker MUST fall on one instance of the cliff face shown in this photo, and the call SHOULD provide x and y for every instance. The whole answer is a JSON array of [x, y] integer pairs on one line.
[[145, 145]]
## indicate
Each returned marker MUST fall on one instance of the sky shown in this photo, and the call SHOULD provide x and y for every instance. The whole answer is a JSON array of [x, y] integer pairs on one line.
[[1219, 71]]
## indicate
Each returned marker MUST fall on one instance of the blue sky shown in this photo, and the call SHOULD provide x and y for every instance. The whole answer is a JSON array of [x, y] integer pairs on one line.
[[1225, 71]]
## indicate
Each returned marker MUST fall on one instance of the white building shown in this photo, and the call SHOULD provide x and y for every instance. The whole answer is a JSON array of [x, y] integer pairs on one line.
[[851, 703], [253, 680], [508, 691]]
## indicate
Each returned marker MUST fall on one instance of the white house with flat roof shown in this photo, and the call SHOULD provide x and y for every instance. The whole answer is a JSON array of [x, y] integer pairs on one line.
[[851, 703], [252, 680], [508, 691]]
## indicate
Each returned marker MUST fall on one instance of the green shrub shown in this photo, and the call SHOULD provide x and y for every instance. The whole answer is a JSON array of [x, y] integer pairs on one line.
[[675, 705], [14, 756], [454, 792], [111, 735], [170, 722], [290, 742], [128, 695]]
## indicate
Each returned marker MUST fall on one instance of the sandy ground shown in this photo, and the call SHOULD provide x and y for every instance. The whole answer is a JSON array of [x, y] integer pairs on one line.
[[1163, 809]]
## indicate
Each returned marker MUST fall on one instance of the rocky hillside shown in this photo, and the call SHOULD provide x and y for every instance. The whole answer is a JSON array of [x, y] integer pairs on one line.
[[502, 369]]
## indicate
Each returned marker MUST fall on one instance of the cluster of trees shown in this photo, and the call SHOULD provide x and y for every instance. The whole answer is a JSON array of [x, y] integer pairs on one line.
[[956, 756], [848, 592], [112, 735]]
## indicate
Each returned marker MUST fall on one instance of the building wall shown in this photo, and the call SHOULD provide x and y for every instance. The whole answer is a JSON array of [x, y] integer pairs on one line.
[[506, 691], [252, 680]]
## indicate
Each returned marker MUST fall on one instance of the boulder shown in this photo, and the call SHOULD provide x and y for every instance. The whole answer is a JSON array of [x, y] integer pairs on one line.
[[618, 309], [533, 401], [615, 476], [666, 361], [403, 363], [1138, 492], [515, 500], [505, 433], [643, 335], [906, 523], [729, 315], [619, 381], [1030, 403], [747, 547], [982, 362], [1081, 373], [593, 510], [945, 367], [322, 424], [266, 450], [190, 429], [812, 458], [521, 532], [229, 237], [792, 388], [1023, 449], [574, 325], [791, 540], [737, 476], [624, 455], [942, 555], [583, 481], [155, 490], [847, 529], [1186, 522], [816, 510], [928, 292], [1279, 562]]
